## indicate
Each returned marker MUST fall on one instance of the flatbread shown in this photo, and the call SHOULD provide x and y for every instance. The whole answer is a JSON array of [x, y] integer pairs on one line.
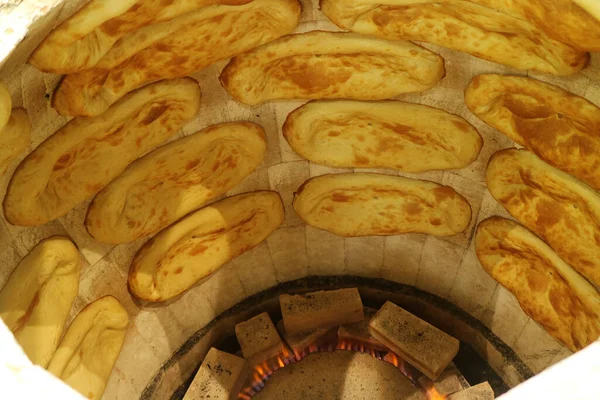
[[569, 21], [90, 347], [559, 127], [5, 105], [37, 299], [331, 65], [174, 180], [560, 209], [199, 244], [364, 204], [173, 49], [15, 130], [386, 134], [555, 296], [15, 136], [85, 37], [510, 33], [82, 157]]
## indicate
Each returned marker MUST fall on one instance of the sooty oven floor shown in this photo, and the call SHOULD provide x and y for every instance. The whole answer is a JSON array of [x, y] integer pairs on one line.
[[339, 375]]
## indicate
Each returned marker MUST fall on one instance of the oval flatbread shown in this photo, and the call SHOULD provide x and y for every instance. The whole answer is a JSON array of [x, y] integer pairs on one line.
[[559, 127], [573, 22], [15, 136], [565, 304], [363, 204], [175, 179], [5, 105], [386, 134], [85, 37], [560, 209], [37, 299], [15, 130], [488, 29], [86, 154], [196, 246], [90, 347], [331, 65], [174, 49]]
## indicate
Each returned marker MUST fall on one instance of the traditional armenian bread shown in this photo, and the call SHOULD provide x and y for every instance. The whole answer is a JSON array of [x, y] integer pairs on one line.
[[559, 208], [15, 130], [559, 127], [36, 300], [387, 134], [364, 204], [174, 180], [5, 105], [573, 22], [331, 65], [14, 138], [564, 303], [86, 154], [90, 347], [174, 49], [84, 38], [199, 244], [488, 29]]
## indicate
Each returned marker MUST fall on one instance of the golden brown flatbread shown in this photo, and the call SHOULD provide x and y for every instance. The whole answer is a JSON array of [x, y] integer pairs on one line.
[[14, 138], [569, 21], [175, 179], [363, 204], [555, 296], [5, 105], [331, 65], [559, 127], [199, 244], [387, 134], [511, 34], [82, 157], [15, 130], [560, 209], [37, 299], [85, 37], [91, 346], [174, 49]]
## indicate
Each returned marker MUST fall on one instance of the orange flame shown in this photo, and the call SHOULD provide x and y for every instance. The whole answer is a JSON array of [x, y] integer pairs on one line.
[[264, 370], [399, 363], [432, 393]]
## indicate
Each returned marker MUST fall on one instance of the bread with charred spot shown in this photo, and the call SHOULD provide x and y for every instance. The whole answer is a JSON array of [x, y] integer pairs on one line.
[[82, 157], [561, 128], [175, 179], [173, 49], [550, 36], [331, 65], [200, 243], [557, 207], [83, 39], [554, 295], [384, 134], [364, 204]]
